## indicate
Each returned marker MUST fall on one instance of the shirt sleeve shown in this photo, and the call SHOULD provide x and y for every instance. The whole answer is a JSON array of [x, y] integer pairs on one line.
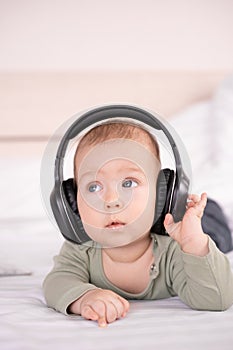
[[203, 283], [69, 279]]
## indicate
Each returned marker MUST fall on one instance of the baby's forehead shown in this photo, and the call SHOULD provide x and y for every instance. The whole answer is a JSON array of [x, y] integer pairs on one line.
[[93, 157], [118, 145]]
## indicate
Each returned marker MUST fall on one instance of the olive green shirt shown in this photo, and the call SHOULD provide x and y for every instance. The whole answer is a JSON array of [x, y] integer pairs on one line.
[[203, 283]]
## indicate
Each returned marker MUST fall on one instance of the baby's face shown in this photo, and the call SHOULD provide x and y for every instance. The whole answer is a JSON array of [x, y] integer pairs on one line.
[[116, 191]]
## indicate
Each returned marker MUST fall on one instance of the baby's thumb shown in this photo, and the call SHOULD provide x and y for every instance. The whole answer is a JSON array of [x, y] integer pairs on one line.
[[168, 221]]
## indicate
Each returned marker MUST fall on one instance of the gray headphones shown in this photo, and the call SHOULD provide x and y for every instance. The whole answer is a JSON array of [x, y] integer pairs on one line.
[[171, 189]]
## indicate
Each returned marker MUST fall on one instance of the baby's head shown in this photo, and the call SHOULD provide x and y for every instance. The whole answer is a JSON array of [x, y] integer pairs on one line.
[[116, 168]]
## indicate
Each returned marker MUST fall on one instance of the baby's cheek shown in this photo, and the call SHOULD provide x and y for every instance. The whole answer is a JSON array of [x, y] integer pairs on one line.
[[139, 200], [88, 214], [83, 208]]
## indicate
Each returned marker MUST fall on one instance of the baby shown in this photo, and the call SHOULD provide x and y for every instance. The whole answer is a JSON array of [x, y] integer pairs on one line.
[[116, 169]]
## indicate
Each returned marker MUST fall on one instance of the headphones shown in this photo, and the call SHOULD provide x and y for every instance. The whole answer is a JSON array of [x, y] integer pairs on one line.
[[172, 187]]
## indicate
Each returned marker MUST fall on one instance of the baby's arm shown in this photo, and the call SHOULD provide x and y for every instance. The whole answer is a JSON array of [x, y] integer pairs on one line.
[[100, 305], [67, 288], [188, 233], [200, 274]]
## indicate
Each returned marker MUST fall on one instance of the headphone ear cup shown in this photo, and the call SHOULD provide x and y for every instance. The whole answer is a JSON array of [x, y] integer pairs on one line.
[[164, 189], [70, 190], [65, 211]]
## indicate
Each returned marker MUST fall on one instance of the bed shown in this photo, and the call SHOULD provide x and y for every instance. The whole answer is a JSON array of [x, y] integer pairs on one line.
[[29, 240]]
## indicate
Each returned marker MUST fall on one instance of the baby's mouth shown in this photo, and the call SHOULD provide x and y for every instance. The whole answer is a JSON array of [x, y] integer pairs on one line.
[[114, 225]]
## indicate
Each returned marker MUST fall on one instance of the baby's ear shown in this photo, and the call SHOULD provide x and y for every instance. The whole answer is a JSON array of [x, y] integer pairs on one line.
[[70, 190]]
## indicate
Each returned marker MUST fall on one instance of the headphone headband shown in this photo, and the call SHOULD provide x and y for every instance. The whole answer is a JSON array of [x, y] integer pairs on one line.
[[112, 112]]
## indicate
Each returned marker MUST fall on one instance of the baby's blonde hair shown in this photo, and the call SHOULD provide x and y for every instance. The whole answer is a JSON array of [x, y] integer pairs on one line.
[[117, 130]]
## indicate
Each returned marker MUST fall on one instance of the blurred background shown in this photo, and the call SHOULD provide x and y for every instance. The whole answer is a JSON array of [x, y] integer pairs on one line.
[[62, 56]]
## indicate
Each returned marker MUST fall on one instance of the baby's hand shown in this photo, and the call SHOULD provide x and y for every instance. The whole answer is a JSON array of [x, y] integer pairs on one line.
[[100, 305], [188, 232]]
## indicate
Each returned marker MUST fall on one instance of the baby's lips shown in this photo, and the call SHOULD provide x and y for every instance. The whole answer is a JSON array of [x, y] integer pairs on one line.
[[115, 224]]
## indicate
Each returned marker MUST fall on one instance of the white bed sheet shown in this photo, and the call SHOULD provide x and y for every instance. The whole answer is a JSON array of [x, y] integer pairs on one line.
[[27, 324], [29, 241]]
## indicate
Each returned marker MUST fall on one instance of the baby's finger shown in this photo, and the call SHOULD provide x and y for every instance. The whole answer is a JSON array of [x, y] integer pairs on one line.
[[189, 205], [170, 225], [193, 198], [89, 313], [200, 206], [168, 221], [125, 304], [95, 312], [203, 200], [100, 309], [112, 313], [118, 308], [102, 322], [121, 305], [204, 196]]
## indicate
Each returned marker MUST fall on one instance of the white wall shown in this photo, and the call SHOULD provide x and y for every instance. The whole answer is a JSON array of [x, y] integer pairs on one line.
[[58, 57], [116, 34]]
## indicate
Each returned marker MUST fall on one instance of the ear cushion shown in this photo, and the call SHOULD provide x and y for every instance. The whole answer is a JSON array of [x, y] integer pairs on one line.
[[70, 190], [65, 211], [164, 189]]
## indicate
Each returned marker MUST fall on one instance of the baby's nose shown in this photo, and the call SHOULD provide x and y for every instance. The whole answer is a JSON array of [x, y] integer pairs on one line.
[[114, 205], [112, 200]]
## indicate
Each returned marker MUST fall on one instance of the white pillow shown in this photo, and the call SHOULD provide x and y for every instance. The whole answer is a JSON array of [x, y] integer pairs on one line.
[[20, 188], [207, 131], [192, 125], [222, 117]]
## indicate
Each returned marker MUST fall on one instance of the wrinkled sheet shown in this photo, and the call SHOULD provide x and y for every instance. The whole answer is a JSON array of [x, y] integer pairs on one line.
[[27, 324]]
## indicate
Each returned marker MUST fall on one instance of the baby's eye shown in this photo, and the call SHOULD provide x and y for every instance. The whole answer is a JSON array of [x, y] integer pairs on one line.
[[129, 183], [94, 187]]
